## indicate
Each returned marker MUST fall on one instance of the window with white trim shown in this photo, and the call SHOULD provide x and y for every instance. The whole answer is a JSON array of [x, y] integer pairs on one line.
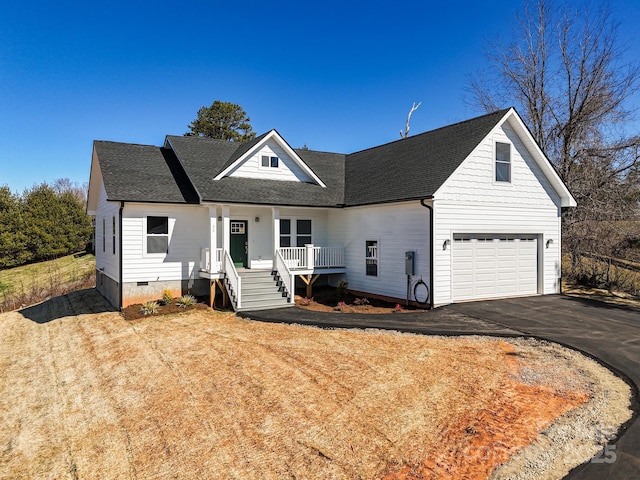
[[303, 232], [371, 258], [503, 162], [157, 234], [285, 232], [268, 161]]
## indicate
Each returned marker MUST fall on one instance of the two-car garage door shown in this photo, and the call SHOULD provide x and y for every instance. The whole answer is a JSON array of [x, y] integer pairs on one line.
[[492, 265]]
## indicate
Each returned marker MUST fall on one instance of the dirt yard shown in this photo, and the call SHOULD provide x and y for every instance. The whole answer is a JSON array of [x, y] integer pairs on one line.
[[86, 394]]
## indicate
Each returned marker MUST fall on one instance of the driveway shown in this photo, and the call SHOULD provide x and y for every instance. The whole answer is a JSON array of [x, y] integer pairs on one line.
[[608, 333]]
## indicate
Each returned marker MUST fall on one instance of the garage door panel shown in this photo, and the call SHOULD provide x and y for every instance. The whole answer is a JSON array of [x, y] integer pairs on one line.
[[508, 276], [485, 277], [490, 266], [507, 263]]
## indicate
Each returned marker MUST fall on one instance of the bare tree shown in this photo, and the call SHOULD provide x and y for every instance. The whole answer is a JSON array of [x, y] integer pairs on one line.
[[565, 73], [62, 185], [414, 107]]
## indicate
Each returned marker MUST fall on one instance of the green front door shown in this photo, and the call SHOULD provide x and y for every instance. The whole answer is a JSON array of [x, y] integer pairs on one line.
[[239, 242]]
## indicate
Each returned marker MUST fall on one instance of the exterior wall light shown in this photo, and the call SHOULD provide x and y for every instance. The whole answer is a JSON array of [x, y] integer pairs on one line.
[[549, 242], [446, 242]]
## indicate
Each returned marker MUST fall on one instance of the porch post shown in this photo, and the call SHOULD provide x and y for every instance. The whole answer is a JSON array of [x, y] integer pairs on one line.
[[275, 212], [226, 225], [310, 260], [213, 239]]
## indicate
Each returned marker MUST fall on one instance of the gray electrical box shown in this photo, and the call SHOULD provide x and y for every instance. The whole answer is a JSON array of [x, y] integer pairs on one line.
[[409, 262]]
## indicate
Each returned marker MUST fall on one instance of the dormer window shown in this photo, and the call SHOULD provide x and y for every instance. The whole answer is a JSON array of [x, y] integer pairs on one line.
[[268, 161]]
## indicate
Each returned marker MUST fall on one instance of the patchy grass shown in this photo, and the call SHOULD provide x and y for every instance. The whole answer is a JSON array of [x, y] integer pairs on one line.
[[598, 276], [87, 394], [29, 284]]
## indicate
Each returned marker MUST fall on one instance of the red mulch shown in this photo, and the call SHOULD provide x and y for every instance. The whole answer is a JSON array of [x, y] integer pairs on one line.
[[327, 299]]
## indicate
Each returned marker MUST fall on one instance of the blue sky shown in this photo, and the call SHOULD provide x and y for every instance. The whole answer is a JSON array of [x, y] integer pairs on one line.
[[334, 75]]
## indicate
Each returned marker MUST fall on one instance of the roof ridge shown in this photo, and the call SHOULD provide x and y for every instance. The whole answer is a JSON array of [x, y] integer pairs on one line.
[[127, 143], [505, 110], [301, 149], [207, 139]]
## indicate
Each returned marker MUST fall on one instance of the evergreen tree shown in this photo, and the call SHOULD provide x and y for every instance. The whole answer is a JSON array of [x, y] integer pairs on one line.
[[222, 121], [46, 222]]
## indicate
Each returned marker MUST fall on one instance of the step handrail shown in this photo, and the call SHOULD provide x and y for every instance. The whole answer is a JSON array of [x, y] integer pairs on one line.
[[235, 281], [287, 277]]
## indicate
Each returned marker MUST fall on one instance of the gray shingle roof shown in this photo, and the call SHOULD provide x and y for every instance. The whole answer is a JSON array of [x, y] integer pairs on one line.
[[410, 168], [143, 173], [242, 149], [204, 158], [413, 167]]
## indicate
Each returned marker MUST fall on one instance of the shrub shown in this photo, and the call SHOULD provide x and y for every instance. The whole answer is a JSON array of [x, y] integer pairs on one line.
[[167, 297], [397, 308], [186, 301], [306, 301], [342, 289], [149, 308], [361, 301], [340, 306]]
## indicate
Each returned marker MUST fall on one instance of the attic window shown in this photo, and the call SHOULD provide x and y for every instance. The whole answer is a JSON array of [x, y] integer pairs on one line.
[[503, 162], [268, 161]]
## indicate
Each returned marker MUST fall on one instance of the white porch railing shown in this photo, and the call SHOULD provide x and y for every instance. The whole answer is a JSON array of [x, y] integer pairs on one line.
[[288, 279], [304, 258], [326, 257], [234, 280], [205, 260], [294, 257]]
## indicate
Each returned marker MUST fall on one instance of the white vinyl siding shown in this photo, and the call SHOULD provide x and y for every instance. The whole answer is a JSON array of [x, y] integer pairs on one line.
[[188, 234], [319, 225], [270, 163], [470, 201], [106, 261], [397, 227]]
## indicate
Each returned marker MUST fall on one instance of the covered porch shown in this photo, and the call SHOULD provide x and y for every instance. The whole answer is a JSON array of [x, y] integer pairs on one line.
[[254, 238]]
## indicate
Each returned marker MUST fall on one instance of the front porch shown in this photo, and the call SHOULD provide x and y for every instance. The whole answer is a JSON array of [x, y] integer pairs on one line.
[[307, 260], [245, 238], [307, 263]]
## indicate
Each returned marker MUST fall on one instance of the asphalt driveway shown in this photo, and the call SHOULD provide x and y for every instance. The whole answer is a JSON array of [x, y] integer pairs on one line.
[[608, 333]]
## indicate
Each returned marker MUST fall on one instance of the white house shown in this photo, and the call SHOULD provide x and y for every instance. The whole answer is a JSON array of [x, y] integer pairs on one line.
[[468, 211]]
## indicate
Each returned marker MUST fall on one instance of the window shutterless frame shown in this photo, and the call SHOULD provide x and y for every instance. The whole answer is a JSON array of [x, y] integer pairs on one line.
[[269, 161], [303, 233], [157, 235], [371, 258], [285, 232], [503, 162]]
